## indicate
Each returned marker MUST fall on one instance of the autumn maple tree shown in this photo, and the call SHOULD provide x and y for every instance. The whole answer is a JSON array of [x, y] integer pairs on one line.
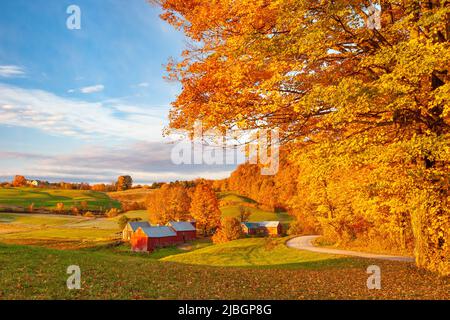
[[124, 183], [19, 181], [169, 203], [230, 229], [367, 104], [205, 208]]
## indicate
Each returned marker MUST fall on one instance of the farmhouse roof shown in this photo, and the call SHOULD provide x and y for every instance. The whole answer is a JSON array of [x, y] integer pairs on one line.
[[136, 224], [158, 232], [262, 224], [181, 226]]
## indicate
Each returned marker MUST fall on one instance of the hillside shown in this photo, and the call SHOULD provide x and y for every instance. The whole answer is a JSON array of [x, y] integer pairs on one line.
[[49, 198], [253, 252], [232, 202]]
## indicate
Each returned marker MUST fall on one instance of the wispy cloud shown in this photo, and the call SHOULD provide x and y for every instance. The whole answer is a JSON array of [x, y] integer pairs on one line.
[[9, 71], [62, 116], [145, 162], [92, 89], [143, 84]]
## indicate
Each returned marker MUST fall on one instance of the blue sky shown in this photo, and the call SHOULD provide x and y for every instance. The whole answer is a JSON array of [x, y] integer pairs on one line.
[[88, 104]]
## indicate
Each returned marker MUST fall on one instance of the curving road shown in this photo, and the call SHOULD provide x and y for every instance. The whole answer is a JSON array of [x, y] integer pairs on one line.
[[305, 243]]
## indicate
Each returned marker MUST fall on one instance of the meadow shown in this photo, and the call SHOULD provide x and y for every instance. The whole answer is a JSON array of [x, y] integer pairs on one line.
[[136, 195], [254, 252], [35, 251], [49, 198], [30, 272], [233, 202]]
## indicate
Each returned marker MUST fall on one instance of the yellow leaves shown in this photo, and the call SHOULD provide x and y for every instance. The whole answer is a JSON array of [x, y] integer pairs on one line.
[[365, 112]]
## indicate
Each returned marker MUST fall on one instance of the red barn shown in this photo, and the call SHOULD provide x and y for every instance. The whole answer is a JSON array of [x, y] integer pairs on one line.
[[149, 238], [185, 230], [132, 227], [266, 228]]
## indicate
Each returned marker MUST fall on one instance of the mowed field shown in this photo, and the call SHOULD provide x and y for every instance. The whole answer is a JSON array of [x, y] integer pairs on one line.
[[28, 272], [35, 251], [237, 201], [254, 252], [49, 198]]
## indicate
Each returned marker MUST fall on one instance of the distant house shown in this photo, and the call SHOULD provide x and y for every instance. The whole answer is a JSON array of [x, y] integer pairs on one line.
[[146, 239], [271, 228], [34, 183], [185, 230], [132, 227]]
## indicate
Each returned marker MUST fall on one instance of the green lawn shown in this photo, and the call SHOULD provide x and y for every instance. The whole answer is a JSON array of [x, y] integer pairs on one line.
[[254, 252], [237, 201], [38, 219], [48, 198], [56, 230], [234, 197], [143, 214], [257, 214]]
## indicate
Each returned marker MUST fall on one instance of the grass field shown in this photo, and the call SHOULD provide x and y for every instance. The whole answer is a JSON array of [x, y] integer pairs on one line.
[[48, 198], [253, 252], [236, 201], [58, 231], [138, 195], [28, 272], [35, 251]]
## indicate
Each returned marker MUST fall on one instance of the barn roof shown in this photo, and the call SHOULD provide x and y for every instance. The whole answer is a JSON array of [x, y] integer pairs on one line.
[[159, 232], [136, 224], [262, 224], [181, 226]]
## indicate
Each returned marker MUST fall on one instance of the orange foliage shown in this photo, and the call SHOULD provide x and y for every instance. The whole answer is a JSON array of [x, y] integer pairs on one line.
[[205, 208]]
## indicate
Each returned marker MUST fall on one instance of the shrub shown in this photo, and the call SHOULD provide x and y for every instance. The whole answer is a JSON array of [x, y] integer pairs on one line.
[[60, 207], [75, 211], [89, 215], [132, 205], [114, 212]]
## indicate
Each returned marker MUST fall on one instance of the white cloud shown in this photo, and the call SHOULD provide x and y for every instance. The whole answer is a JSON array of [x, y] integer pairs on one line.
[[143, 84], [145, 162], [8, 71], [92, 89], [62, 116]]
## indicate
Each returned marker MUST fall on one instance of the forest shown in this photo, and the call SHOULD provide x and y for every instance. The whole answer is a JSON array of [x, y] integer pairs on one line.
[[363, 112]]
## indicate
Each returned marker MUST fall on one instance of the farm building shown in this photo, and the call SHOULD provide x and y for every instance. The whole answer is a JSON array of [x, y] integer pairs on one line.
[[271, 228], [149, 238], [132, 227], [185, 230], [34, 183]]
